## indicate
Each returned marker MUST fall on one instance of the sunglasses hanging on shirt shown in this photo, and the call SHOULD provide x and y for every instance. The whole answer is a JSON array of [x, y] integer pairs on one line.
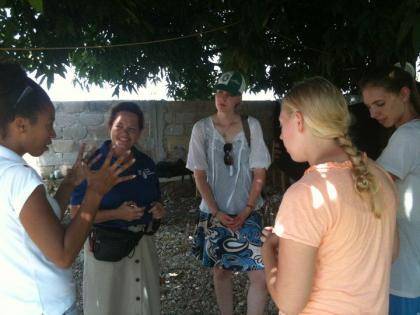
[[228, 158]]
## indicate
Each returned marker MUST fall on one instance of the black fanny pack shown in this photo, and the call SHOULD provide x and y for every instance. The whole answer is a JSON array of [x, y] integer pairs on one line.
[[113, 244]]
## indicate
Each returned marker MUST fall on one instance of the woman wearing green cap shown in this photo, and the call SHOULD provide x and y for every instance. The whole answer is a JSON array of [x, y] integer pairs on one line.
[[229, 159]]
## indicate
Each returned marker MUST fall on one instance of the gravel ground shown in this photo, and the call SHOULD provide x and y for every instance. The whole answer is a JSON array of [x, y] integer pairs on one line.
[[186, 287]]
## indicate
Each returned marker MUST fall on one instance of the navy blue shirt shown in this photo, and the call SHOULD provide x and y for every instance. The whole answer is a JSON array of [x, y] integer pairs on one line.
[[143, 189]]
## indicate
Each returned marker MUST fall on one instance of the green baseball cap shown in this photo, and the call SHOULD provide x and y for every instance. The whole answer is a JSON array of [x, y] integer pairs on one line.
[[232, 82]]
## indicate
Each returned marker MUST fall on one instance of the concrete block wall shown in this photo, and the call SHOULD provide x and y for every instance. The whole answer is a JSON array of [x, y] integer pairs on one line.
[[168, 126]]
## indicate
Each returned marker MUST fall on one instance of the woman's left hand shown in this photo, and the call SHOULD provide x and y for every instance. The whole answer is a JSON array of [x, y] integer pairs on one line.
[[270, 240], [157, 211], [77, 173]]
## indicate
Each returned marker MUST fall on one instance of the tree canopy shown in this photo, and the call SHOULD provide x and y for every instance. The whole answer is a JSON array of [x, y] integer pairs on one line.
[[187, 43]]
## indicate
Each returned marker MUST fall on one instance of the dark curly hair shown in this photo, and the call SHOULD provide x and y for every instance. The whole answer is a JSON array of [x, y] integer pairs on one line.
[[126, 107]]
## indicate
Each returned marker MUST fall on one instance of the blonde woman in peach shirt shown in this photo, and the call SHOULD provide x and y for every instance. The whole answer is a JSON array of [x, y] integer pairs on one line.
[[330, 250]]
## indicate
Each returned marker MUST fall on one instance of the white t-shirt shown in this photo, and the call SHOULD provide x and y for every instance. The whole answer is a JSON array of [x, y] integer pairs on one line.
[[230, 184], [29, 283], [401, 157]]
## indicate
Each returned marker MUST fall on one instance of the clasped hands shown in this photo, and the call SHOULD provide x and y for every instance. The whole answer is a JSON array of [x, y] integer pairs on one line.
[[129, 211], [233, 223]]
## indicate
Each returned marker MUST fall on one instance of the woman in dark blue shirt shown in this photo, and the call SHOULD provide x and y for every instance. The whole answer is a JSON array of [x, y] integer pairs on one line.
[[131, 285]]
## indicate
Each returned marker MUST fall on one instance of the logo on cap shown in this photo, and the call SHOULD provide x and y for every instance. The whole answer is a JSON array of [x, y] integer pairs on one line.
[[232, 82]]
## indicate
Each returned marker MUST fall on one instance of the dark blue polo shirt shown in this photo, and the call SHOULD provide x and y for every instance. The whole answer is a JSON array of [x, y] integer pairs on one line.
[[143, 190]]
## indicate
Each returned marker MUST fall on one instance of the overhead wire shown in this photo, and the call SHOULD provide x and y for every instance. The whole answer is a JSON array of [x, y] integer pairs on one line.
[[120, 45]]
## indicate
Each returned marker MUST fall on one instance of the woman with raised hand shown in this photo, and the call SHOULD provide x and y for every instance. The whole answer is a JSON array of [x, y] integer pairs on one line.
[[121, 266], [392, 98], [331, 248], [36, 250], [229, 171]]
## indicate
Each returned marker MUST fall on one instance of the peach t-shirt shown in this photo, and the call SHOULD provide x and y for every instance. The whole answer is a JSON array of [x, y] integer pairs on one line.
[[353, 263]]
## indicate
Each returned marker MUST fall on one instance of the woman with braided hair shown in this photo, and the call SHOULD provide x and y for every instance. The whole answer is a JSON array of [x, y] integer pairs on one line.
[[331, 247], [393, 100]]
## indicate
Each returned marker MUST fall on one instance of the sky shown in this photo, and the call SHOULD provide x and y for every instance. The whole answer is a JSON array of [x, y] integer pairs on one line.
[[63, 90]]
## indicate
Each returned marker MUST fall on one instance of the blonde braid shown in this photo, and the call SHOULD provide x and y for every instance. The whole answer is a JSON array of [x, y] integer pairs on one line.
[[365, 182], [327, 116]]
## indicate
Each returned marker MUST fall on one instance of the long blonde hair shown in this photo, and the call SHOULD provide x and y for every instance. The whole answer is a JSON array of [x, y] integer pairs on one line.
[[326, 114]]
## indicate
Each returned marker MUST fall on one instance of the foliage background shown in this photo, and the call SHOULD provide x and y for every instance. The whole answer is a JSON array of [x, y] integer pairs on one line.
[[274, 43]]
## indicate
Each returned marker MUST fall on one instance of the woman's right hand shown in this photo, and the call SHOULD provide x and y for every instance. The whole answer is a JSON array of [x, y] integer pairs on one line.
[[129, 211], [102, 180]]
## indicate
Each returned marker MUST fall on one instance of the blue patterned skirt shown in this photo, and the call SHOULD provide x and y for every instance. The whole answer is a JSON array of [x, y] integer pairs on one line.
[[217, 246]]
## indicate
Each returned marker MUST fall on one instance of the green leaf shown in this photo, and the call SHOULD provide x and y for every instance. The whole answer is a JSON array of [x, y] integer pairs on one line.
[[38, 5], [276, 44], [405, 28], [416, 36]]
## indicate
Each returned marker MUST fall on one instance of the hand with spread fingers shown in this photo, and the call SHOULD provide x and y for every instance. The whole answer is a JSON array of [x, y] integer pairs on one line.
[[128, 188], [102, 180], [158, 211], [93, 185], [77, 173], [75, 176]]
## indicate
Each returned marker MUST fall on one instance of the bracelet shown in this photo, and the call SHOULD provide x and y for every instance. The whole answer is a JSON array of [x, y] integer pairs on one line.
[[215, 214], [250, 206]]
